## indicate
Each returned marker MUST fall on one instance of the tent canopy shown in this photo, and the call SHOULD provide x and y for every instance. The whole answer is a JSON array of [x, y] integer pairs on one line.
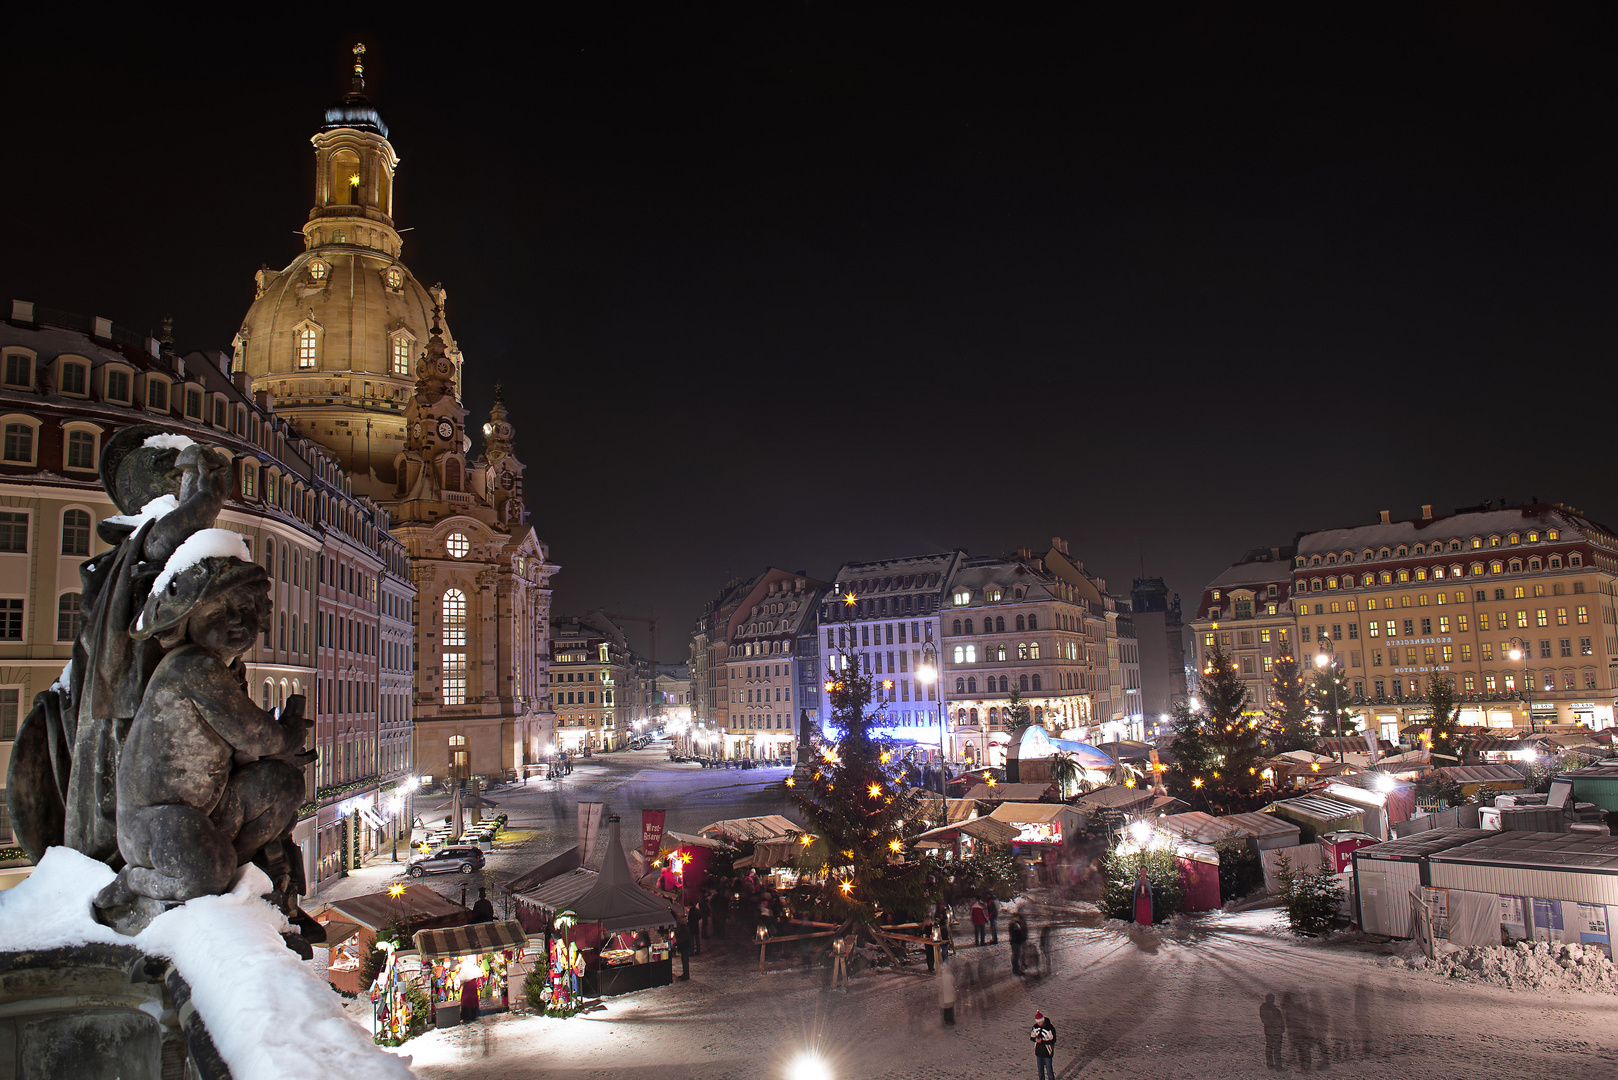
[[765, 827], [472, 939], [614, 900]]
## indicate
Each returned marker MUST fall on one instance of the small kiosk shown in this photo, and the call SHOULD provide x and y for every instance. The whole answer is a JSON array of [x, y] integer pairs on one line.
[[453, 956], [604, 935]]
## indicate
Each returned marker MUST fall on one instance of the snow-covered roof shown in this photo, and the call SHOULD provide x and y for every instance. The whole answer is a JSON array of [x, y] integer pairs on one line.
[[764, 827], [1539, 851], [1457, 526], [1478, 774], [1007, 792], [1018, 813], [1421, 844]]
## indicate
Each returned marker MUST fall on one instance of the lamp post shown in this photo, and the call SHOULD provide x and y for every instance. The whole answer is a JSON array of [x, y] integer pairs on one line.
[[1322, 661], [928, 674], [1522, 650]]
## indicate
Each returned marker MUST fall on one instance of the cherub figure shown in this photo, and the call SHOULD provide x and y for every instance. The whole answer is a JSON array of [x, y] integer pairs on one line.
[[207, 780]]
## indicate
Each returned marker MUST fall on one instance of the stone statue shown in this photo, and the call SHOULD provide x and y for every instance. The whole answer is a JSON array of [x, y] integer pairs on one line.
[[65, 760], [207, 780], [148, 753]]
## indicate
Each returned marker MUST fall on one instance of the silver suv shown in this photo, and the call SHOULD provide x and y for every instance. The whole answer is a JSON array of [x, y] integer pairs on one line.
[[456, 857]]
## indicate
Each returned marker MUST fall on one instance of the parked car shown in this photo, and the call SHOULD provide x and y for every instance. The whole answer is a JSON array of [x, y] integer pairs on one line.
[[458, 857]]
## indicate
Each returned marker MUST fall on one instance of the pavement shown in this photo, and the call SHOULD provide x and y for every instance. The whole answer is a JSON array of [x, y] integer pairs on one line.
[[541, 817]]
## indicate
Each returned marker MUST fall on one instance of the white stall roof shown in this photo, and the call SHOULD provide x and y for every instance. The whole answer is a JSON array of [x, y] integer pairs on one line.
[[1539, 851]]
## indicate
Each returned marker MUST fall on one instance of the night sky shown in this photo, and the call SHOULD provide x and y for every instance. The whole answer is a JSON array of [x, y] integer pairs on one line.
[[796, 284]]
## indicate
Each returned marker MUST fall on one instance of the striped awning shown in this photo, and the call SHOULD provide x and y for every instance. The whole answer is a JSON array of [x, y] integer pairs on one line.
[[472, 939]]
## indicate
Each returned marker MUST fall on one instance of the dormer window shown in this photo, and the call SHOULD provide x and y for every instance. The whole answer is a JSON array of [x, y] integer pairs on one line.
[[19, 370], [1533, 537], [393, 278], [1421, 549], [75, 378], [318, 270], [962, 597], [1513, 538], [1402, 551], [1552, 534], [992, 593], [157, 394], [193, 402], [118, 385]]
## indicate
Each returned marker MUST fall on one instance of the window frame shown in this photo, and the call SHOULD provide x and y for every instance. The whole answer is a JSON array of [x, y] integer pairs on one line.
[[62, 363], [34, 425], [95, 431], [28, 355]]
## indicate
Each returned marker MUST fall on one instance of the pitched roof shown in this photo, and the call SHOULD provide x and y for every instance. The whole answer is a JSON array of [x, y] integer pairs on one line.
[[418, 903], [763, 827], [472, 939], [1476, 774]]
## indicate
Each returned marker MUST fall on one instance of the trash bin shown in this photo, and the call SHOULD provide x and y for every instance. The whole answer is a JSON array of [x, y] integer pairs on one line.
[[447, 1015]]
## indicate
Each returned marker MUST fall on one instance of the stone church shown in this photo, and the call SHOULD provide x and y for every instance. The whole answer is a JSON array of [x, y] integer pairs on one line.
[[350, 348]]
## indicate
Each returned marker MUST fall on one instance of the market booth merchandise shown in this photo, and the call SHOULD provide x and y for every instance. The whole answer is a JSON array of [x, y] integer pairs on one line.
[[482, 952], [352, 926]]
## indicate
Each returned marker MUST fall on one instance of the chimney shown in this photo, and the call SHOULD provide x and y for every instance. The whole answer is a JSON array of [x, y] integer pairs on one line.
[[1426, 511], [1386, 515], [1025, 554], [1059, 544]]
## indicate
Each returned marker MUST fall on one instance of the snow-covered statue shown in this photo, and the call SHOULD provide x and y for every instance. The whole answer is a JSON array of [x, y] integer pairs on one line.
[[207, 780], [148, 753], [64, 763]]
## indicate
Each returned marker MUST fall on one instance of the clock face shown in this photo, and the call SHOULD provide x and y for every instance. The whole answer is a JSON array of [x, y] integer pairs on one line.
[[444, 368], [504, 430], [445, 429]]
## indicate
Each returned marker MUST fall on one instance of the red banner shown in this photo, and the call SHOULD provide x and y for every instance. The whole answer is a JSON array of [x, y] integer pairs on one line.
[[651, 832]]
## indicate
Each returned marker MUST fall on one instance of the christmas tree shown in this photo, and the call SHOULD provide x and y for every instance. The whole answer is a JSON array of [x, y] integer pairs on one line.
[[1444, 720], [1216, 747], [1330, 696], [1290, 718], [857, 801]]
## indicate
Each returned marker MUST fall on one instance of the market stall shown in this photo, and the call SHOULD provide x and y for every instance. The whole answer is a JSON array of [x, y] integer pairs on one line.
[[963, 839], [1044, 831], [764, 827], [605, 935], [684, 865], [452, 957], [786, 863], [1199, 875], [352, 926]]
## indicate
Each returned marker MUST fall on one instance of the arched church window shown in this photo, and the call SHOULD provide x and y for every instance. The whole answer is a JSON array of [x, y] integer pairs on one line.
[[454, 611], [401, 354], [308, 343], [452, 474]]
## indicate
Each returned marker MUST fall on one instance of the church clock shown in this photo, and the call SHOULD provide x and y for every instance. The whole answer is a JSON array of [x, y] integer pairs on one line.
[[446, 430]]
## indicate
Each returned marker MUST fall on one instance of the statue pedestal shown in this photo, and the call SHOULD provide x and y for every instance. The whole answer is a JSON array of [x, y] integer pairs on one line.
[[100, 1012]]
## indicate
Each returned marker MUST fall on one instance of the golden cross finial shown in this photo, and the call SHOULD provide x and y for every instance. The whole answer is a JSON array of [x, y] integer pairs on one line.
[[359, 58]]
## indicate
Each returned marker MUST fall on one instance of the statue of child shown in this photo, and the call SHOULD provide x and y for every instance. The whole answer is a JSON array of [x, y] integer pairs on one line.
[[207, 780]]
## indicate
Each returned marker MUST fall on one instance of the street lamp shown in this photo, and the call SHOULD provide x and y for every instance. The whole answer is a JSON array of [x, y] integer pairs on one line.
[[1522, 650], [928, 674], [1322, 661]]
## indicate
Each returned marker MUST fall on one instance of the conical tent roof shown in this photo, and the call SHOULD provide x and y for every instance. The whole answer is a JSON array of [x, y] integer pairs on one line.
[[615, 901]]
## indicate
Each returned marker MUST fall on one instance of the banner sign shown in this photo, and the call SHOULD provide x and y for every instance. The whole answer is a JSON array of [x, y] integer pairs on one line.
[[589, 814], [651, 833]]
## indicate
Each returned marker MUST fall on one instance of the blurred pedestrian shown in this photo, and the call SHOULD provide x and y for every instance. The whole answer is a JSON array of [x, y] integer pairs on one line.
[[1275, 1026], [992, 906], [682, 943], [980, 922], [1017, 932], [1044, 1039], [483, 910]]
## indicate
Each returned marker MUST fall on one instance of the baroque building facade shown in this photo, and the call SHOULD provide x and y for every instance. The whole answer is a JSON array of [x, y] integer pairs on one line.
[[356, 355]]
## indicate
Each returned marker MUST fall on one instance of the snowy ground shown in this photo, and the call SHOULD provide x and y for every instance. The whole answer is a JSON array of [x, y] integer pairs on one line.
[[1180, 1001], [1126, 1004]]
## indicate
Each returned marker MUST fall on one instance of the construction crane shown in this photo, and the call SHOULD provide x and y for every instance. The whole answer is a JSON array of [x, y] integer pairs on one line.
[[651, 630]]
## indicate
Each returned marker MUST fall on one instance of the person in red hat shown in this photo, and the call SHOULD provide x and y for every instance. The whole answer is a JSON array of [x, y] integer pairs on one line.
[[1044, 1039]]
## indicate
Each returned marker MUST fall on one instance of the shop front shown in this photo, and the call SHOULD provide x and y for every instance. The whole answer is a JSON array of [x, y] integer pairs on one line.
[[480, 954]]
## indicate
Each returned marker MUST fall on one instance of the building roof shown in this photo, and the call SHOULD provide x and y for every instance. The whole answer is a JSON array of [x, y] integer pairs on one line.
[[472, 939], [990, 829], [1423, 844], [1539, 851], [1017, 813], [1459, 525], [418, 902], [558, 892], [1203, 828], [1477, 774], [764, 827], [981, 792], [1315, 808], [1114, 797]]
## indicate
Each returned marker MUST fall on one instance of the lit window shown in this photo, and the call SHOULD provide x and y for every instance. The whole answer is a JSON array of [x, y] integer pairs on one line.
[[454, 610], [1033, 650], [401, 354], [394, 277], [306, 347], [318, 270], [455, 678], [457, 545], [1582, 613]]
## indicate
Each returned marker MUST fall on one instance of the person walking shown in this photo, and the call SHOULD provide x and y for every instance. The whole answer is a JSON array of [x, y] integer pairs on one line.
[[694, 918], [1044, 1039], [682, 943], [980, 921], [992, 906], [469, 1000], [1017, 932], [1275, 1026]]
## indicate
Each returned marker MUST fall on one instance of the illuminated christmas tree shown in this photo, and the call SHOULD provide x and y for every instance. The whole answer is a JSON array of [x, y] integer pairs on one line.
[[857, 801]]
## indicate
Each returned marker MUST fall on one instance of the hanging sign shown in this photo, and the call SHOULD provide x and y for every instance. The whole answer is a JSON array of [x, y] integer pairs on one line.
[[651, 832]]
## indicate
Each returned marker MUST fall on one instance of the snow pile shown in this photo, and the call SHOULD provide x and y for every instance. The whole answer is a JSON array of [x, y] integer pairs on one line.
[[168, 442], [65, 679], [158, 507], [1540, 965], [202, 544], [269, 1016]]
